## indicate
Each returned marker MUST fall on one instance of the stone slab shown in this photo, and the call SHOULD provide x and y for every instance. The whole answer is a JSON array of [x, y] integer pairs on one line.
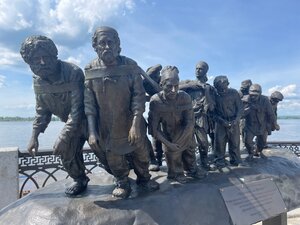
[[194, 203], [9, 176]]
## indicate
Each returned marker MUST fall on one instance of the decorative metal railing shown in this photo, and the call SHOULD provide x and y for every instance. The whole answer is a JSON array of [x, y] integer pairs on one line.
[[294, 146], [44, 168]]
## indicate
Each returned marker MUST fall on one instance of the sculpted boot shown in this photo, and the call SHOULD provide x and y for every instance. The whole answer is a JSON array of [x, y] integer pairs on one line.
[[122, 189], [149, 185], [77, 187], [204, 161]]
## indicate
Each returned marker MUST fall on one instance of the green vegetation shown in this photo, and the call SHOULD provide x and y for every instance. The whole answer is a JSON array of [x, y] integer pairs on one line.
[[17, 118], [289, 117], [54, 118]]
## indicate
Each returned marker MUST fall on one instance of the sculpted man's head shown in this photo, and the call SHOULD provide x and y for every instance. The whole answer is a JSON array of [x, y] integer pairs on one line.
[[40, 53], [221, 84], [201, 71], [245, 85], [106, 43], [154, 72], [255, 92], [169, 81], [276, 97]]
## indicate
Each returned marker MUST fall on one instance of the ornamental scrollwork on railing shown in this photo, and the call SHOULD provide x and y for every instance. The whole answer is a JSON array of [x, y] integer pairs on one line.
[[45, 168], [294, 146]]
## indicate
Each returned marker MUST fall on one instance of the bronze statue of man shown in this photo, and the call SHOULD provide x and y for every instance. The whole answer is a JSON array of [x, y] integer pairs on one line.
[[156, 151], [244, 93], [114, 105], [228, 111], [259, 117], [275, 98], [171, 121], [203, 100], [244, 89], [59, 91]]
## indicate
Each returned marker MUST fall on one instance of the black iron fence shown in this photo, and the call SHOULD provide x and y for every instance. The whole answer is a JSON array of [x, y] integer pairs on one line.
[[294, 146], [44, 168]]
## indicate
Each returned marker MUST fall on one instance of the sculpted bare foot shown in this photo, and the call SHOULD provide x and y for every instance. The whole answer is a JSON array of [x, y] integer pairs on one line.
[[120, 192], [77, 187]]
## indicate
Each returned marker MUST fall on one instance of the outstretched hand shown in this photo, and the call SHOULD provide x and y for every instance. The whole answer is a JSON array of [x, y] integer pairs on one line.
[[33, 146], [94, 141]]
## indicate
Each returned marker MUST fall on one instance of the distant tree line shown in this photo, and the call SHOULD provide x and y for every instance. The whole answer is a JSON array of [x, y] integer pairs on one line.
[[54, 118], [17, 118], [289, 117]]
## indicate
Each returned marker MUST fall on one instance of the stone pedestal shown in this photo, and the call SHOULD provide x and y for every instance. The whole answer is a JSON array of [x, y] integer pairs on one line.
[[9, 176], [197, 202]]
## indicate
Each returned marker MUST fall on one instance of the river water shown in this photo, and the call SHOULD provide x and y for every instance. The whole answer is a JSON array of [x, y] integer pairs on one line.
[[17, 134]]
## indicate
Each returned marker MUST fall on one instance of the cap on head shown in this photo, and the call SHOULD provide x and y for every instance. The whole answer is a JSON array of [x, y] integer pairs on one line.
[[220, 79], [277, 95], [32, 43], [105, 30], [246, 83], [255, 89], [154, 69], [169, 72]]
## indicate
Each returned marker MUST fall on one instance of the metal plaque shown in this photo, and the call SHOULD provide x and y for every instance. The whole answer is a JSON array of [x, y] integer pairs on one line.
[[252, 202]]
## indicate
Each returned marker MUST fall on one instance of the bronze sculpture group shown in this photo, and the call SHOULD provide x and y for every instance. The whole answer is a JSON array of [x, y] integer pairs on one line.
[[104, 105]]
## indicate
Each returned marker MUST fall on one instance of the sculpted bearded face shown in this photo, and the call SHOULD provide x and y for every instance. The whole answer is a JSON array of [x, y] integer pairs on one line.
[[107, 47], [43, 64], [40, 53]]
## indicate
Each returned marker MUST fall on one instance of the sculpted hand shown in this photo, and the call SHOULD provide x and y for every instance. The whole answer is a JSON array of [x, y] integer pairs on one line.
[[94, 141], [59, 146], [134, 136], [33, 146]]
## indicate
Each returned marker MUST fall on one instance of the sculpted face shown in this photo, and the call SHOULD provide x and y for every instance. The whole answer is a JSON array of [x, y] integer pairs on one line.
[[43, 64], [170, 88], [222, 87], [254, 97], [201, 70], [107, 48]]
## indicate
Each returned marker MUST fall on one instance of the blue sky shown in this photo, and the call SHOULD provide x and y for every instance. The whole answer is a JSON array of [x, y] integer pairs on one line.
[[257, 39]]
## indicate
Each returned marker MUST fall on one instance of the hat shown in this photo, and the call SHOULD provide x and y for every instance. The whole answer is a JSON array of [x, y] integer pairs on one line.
[[154, 69], [277, 95], [255, 89]]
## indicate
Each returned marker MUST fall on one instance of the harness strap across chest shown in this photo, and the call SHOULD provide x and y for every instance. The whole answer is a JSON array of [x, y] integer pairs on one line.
[[56, 88], [115, 71]]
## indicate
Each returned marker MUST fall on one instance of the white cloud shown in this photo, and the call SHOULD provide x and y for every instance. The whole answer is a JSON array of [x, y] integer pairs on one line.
[[291, 102], [8, 57], [15, 15], [289, 107], [2, 81], [210, 79], [74, 60], [68, 17], [20, 106], [71, 17], [287, 91]]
